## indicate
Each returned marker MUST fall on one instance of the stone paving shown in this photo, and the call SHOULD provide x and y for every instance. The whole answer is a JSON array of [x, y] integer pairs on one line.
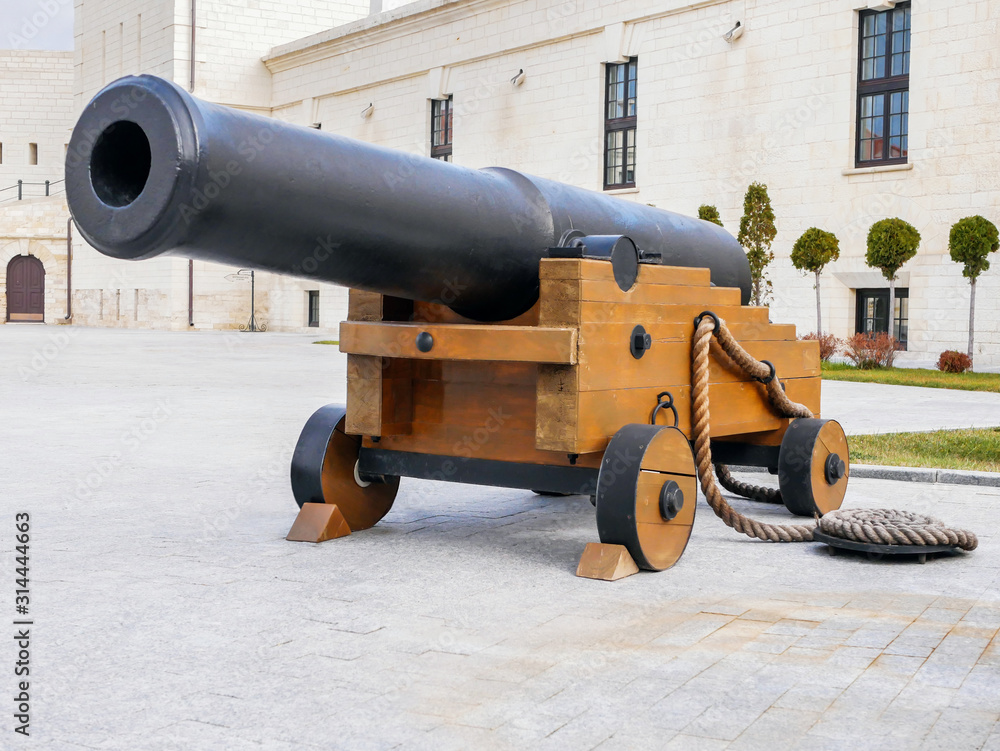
[[170, 612]]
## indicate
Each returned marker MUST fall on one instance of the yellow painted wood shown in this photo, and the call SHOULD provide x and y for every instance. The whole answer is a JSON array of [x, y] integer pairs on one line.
[[606, 562], [318, 522], [582, 268], [581, 422], [461, 342]]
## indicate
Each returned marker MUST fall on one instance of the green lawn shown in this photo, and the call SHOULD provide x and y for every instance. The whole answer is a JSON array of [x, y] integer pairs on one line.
[[913, 377], [327, 341], [977, 449]]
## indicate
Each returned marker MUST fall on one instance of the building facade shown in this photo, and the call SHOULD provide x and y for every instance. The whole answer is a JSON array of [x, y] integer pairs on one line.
[[850, 111], [36, 102]]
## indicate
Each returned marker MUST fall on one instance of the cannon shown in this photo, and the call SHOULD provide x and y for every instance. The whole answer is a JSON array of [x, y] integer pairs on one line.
[[503, 329]]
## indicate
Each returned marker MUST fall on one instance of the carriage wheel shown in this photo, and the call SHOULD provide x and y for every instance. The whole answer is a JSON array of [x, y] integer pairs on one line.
[[324, 470], [813, 466], [646, 494]]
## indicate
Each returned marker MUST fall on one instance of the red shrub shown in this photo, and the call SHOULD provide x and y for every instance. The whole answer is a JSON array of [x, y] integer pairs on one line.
[[954, 362], [829, 345], [871, 350]]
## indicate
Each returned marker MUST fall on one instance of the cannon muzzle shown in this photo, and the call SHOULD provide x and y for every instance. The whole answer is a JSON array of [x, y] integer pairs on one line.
[[151, 170]]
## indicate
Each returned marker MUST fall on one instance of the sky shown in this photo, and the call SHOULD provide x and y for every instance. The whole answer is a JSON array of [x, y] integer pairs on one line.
[[36, 24]]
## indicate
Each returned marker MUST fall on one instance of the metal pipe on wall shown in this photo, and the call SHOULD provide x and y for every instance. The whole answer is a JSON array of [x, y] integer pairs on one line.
[[69, 269], [194, 18]]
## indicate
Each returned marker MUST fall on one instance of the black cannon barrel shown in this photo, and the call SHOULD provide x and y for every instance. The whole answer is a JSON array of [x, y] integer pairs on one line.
[[152, 170]]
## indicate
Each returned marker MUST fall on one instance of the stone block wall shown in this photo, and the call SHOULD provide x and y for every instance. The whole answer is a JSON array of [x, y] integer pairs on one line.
[[37, 108]]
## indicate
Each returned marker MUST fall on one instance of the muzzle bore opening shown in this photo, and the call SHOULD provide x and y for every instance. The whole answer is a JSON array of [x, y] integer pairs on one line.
[[119, 163]]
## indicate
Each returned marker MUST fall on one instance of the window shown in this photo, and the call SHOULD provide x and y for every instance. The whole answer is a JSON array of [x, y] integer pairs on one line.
[[872, 307], [619, 125], [314, 307], [32, 153], [883, 86], [441, 129]]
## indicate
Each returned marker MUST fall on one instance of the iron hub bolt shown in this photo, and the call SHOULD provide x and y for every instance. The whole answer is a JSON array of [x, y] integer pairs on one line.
[[671, 500]]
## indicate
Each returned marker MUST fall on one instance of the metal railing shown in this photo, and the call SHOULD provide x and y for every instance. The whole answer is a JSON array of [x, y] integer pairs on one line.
[[27, 189]]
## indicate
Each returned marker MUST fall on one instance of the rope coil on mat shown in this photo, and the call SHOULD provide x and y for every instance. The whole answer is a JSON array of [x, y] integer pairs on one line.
[[877, 526], [894, 527]]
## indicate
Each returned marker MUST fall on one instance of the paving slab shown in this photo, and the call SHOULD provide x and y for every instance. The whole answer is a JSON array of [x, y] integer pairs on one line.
[[169, 611]]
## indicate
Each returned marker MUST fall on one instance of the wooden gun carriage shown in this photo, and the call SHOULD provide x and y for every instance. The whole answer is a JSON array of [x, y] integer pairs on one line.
[[503, 329]]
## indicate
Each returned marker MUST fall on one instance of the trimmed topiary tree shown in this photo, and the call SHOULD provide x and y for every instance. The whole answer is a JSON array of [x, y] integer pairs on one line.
[[709, 214], [891, 243], [970, 241], [811, 252], [757, 232]]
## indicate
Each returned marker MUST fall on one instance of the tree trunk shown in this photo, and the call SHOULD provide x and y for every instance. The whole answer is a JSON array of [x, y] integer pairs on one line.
[[972, 313], [892, 306], [819, 313]]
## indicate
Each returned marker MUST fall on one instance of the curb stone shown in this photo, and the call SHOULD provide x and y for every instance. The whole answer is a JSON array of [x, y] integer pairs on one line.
[[913, 474]]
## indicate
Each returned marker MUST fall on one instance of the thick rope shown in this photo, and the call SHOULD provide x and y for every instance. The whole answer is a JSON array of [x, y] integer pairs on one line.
[[778, 398], [894, 527], [759, 493], [703, 453], [877, 526], [756, 369]]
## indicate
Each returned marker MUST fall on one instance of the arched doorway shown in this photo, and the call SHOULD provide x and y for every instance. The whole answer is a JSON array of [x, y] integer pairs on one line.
[[25, 289]]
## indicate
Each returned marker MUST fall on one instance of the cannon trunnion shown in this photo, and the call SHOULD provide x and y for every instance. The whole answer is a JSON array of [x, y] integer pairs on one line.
[[503, 329]]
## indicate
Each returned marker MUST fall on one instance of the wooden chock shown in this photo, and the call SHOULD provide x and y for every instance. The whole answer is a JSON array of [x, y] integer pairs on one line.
[[606, 562], [318, 522]]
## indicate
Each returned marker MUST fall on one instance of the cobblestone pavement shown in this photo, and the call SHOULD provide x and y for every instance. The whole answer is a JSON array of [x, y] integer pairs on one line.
[[170, 612]]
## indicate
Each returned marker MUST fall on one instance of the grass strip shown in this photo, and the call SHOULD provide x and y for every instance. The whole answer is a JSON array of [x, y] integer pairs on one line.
[[925, 377], [974, 449], [327, 341]]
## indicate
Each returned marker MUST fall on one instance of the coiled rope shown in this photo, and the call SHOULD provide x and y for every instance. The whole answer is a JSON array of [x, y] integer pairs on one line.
[[758, 493], [879, 526], [894, 527]]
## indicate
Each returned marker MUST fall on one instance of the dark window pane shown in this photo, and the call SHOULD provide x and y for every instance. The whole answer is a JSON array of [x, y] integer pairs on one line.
[[441, 129], [629, 156], [619, 127]]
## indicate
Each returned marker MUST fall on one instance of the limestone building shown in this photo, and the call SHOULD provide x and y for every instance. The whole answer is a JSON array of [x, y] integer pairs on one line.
[[849, 110]]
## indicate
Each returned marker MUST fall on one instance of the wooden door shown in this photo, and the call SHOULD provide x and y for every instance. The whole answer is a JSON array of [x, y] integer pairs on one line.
[[25, 289]]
